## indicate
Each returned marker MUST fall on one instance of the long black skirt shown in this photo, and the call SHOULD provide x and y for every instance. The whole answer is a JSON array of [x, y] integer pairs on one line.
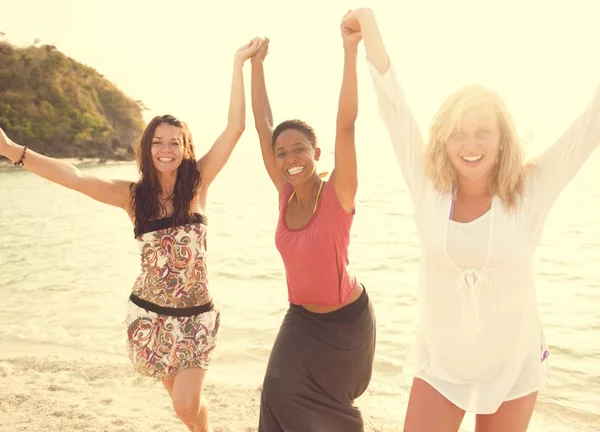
[[319, 364]]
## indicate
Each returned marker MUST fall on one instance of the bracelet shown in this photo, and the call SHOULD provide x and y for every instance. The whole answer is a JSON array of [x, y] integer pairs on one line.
[[20, 162]]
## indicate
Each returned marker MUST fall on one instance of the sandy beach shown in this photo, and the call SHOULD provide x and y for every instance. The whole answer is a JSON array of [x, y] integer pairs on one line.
[[67, 391], [53, 395]]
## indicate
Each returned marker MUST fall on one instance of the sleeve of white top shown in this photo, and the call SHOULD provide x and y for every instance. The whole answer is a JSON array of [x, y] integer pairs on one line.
[[403, 130], [555, 167]]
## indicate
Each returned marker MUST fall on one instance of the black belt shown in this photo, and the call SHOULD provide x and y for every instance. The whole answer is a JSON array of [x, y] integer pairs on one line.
[[170, 311]]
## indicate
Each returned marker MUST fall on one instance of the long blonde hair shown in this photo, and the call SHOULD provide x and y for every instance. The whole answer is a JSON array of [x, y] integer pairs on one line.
[[509, 173]]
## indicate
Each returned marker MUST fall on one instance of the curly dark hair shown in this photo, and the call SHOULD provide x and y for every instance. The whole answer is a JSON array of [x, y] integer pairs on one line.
[[146, 192], [298, 125]]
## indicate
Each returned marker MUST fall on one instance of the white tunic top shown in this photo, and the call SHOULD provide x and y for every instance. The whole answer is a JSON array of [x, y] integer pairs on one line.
[[468, 242], [480, 337]]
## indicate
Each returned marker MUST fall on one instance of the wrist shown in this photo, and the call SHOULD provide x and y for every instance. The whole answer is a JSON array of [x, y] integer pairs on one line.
[[238, 62], [22, 156], [350, 49], [12, 151]]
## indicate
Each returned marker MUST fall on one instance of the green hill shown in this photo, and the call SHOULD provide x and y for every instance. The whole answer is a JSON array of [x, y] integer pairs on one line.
[[62, 108]]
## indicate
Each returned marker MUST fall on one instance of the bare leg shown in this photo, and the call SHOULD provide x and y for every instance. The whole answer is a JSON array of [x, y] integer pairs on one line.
[[186, 394], [512, 416], [429, 411], [168, 383]]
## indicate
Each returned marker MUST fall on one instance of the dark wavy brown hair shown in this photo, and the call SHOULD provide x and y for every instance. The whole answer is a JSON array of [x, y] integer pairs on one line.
[[145, 195]]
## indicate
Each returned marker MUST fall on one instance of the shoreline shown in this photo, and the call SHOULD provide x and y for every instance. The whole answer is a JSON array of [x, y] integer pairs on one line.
[[6, 164]]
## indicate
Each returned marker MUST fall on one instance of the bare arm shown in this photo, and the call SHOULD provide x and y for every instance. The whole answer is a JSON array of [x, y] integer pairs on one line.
[[263, 117], [112, 192], [363, 20], [345, 176], [393, 108], [215, 159]]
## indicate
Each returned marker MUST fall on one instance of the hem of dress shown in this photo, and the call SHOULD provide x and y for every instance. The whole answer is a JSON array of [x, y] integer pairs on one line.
[[443, 393], [522, 394], [168, 377]]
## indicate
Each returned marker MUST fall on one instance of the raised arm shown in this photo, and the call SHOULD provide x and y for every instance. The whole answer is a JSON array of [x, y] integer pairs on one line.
[[345, 177], [393, 109], [263, 117], [364, 21], [215, 159], [556, 166], [112, 192]]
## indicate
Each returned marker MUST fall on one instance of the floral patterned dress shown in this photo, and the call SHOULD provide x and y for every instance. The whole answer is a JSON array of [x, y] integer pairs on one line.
[[172, 324]]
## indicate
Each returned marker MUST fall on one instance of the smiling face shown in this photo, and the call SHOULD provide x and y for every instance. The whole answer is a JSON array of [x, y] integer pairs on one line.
[[167, 148], [473, 147], [473, 139], [296, 156], [169, 177]]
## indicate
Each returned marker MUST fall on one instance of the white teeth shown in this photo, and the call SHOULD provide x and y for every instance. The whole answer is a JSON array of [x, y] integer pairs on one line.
[[295, 170], [472, 158], [166, 159]]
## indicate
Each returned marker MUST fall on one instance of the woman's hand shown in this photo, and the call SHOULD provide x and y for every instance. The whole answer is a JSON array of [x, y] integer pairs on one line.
[[248, 50], [350, 28]]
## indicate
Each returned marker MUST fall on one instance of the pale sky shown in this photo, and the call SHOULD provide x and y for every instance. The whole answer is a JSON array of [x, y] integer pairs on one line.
[[176, 56]]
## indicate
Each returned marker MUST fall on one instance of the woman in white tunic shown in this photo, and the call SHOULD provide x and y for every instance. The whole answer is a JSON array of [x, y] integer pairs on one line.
[[479, 212]]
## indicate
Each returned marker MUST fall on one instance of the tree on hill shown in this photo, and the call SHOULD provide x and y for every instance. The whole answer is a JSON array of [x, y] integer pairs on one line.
[[62, 108]]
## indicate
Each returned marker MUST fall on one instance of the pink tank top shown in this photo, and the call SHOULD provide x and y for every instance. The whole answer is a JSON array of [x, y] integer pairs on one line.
[[316, 256]]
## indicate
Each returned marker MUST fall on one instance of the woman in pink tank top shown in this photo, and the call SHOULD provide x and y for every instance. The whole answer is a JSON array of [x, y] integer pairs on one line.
[[322, 358]]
